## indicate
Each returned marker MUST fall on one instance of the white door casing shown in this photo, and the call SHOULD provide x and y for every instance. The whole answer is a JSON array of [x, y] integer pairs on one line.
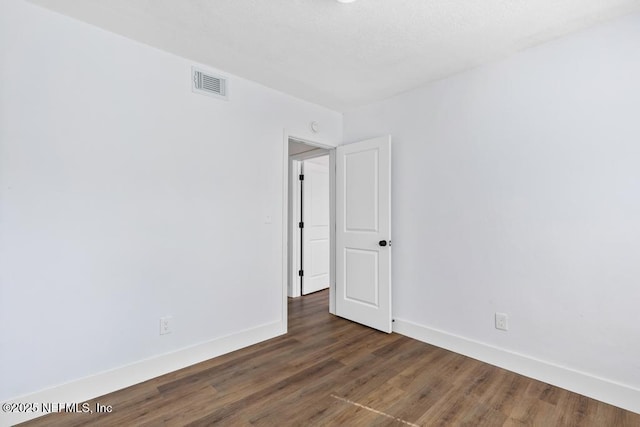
[[316, 225], [363, 226]]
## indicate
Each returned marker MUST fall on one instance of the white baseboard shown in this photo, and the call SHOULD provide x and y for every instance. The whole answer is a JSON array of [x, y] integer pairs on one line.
[[107, 382], [614, 393]]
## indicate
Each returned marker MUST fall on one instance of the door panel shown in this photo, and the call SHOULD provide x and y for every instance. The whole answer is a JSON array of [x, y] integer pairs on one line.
[[361, 270], [363, 219], [361, 186]]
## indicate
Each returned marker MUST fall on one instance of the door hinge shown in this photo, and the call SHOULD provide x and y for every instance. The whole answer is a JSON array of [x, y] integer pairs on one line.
[[301, 224], [301, 177], [300, 273]]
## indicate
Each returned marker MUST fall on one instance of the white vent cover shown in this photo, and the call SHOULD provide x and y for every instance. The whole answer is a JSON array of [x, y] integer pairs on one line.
[[208, 84]]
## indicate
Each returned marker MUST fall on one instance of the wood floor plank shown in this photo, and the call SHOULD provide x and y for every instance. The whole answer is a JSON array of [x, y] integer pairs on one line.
[[271, 393], [328, 371]]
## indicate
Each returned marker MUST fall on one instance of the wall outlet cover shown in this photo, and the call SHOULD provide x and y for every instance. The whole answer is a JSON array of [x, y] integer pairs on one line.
[[166, 325], [502, 321]]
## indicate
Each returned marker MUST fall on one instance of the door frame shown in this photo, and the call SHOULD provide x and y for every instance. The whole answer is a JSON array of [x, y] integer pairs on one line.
[[286, 183]]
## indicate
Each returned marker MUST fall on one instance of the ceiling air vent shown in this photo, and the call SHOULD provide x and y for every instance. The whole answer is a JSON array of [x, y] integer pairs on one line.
[[209, 84]]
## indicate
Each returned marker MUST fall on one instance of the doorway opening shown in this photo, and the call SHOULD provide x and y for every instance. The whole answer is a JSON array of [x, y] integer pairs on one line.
[[309, 213], [309, 252], [359, 229], [310, 224]]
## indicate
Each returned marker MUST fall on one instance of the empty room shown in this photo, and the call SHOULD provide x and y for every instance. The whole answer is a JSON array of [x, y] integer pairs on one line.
[[320, 212]]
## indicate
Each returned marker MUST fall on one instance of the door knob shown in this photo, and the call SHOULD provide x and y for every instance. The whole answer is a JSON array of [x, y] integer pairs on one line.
[[382, 243]]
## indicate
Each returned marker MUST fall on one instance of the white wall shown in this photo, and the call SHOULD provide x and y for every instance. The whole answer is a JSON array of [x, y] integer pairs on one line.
[[125, 197], [516, 188]]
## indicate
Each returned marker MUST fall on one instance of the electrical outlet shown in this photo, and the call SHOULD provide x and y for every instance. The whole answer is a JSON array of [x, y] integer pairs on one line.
[[166, 325], [502, 321]]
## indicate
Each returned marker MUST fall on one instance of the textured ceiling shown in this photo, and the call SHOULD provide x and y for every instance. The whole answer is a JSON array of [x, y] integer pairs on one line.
[[342, 55]]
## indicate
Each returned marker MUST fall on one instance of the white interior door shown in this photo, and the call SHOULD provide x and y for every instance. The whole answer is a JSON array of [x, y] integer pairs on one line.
[[315, 234], [363, 232]]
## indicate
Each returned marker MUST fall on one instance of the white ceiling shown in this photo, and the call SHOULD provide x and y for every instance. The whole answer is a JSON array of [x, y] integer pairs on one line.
[[342, 55]]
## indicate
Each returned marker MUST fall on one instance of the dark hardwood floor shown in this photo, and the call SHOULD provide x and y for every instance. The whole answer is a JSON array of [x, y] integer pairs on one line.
[[328, 371]]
